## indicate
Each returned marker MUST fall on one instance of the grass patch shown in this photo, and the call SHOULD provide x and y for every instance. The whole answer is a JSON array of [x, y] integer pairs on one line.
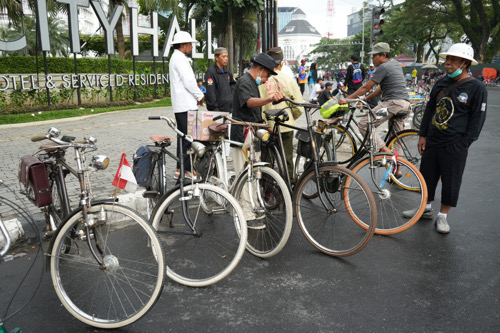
[[60, 114]]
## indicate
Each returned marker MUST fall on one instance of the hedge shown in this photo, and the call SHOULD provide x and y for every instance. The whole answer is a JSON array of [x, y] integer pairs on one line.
[[27, 65]]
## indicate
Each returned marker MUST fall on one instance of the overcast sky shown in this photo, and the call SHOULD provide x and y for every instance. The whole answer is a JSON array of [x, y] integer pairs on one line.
[[316, 13]]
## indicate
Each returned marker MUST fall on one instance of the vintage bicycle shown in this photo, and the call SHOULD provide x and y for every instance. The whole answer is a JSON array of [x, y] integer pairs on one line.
[[202, 225], [106, 262]]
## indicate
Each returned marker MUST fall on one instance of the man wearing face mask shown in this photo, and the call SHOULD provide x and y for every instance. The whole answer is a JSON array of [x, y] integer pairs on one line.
[[453, 119], [247, 106], [186, 95], [247, 103]]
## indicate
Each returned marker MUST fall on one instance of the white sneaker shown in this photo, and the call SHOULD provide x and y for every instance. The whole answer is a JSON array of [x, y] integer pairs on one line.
[[427, 214], [442, 225]]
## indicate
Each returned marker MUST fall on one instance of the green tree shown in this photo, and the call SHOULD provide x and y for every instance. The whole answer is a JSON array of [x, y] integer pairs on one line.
[[480, 21], [59, 39], [332, 53]]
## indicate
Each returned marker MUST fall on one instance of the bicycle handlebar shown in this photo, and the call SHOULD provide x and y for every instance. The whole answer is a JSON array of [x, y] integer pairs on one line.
[[239, 122], [173, 126], [304, 105], [38, 138]]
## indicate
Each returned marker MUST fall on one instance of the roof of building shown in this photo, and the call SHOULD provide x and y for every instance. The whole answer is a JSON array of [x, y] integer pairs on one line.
[[286, 9], [298, 11], [296, 27]]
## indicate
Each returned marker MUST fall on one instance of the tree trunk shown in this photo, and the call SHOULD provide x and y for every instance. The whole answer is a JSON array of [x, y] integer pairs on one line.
[[119, 38], [230, 43]]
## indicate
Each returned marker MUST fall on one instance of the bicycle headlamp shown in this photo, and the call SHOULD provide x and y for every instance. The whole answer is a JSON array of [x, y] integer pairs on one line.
[[100, 162], [198, 148], [263, 134]]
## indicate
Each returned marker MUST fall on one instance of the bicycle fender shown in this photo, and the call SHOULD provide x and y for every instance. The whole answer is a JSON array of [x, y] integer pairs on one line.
[[73, 212], [311, 168]]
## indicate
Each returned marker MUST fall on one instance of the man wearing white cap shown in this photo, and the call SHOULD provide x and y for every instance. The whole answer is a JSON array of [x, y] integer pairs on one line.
[[185, 93], [453, 119]]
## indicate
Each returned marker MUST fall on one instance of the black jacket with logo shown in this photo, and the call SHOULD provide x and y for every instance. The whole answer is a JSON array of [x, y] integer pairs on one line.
[[220, 86]]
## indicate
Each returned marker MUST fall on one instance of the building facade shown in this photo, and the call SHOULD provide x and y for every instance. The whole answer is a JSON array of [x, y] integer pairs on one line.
[[298, 37]]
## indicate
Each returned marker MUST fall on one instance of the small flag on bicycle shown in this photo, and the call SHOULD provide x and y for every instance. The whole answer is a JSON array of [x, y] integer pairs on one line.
[[395, 165], [124, 177]]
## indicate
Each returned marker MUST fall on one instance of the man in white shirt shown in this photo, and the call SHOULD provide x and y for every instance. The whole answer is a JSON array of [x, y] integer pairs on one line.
[[316, 90], [186, 96]]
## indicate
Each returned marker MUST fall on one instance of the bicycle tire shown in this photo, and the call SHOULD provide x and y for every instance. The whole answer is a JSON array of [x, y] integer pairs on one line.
[[407, 140], [398, 195], [345, 145], [131, 284], [325, 155], [272, 156], [275, 209], [418, 114], [333, 231], [204, 258], [157, 179]]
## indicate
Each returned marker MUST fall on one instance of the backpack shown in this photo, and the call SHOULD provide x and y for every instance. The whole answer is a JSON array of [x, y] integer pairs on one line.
[[143, 166], [357, 74]]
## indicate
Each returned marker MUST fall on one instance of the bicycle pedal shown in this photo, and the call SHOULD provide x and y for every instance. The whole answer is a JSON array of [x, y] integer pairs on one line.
[[150, 194]]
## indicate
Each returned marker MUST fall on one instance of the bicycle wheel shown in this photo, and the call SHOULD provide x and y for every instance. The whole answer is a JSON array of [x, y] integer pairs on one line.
[[158, 184], [325, 155], [418, 114], [134, 275], [345, 145], [331, 229], [206, 253], [54, 212], [271, 155], [396, 195], [272, 205], [407, 144]]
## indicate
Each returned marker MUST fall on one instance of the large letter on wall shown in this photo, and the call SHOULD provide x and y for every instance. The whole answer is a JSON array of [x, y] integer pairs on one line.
[[74, 36], [135, 30], [109, 26], [13, 45], [43, 24], [172, 30], [196, 55]]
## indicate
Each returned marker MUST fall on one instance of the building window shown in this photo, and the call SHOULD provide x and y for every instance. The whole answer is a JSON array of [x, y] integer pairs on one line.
[[289, 54]]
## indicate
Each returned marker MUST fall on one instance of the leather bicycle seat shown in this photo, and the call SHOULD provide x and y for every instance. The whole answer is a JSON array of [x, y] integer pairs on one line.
[[217, 127], [51, 147], [401, 114], [275, 112], [162, 138]]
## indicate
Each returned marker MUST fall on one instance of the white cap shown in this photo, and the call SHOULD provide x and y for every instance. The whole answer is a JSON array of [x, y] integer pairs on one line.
[[183, 37], [460, 50]]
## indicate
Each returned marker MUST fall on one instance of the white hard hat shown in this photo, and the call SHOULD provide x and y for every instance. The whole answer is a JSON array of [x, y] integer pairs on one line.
[[183, 37], [460, 50]]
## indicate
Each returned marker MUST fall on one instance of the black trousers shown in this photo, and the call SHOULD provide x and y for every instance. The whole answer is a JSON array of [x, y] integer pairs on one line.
[[181, 119], [447, 163], [302, 87]]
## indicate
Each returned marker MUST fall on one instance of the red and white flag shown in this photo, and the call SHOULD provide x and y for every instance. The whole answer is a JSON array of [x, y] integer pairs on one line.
[[124, 177], [395, 160]]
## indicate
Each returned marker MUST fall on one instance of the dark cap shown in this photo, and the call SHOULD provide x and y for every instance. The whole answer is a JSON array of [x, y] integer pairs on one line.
[[266, 61], [277, 54]]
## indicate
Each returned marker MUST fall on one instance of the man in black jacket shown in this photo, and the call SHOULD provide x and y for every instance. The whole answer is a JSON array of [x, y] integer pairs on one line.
[[453, 119], [220, 83]]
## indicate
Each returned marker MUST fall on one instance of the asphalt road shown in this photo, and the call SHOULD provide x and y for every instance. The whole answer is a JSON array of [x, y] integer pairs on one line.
[[415, 281]]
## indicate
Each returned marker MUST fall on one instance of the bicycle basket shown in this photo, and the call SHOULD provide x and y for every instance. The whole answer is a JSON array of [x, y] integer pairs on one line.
[[332, 108]]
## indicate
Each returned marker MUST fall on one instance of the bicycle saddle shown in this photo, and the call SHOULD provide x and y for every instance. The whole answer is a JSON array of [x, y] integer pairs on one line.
[[217, 127], [401, 114], [51, 147], [275, 112], [166, 139]]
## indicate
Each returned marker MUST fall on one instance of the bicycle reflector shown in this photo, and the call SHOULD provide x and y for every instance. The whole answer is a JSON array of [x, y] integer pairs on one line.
[[100, 162], [263, 134]]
